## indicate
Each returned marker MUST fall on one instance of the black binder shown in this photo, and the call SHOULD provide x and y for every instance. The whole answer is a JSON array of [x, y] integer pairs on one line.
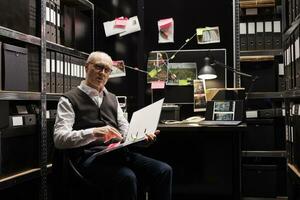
[[251, 36], [52, 73], [243, 36], [48, 72], [260, 35], [1, 66], [268, 35], [15, 68], [277, 40]]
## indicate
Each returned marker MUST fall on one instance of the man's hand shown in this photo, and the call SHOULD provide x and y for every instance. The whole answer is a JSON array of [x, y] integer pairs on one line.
[[151, 137], [106, 133]]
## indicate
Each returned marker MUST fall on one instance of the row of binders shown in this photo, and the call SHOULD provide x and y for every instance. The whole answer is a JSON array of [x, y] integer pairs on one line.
[[292, 60], [63, 72], [259, 35], [292, 10], [53, 21], [293, 135]]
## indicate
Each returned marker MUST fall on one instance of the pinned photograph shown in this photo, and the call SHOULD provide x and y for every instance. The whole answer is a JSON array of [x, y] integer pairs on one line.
[[199, 96], [208, 35], [181, 74], [118, 69], [157, 66], [165, 30]]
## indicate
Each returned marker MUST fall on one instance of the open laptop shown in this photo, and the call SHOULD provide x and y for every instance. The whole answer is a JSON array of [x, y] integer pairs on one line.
[[142, 122], [223, 113]]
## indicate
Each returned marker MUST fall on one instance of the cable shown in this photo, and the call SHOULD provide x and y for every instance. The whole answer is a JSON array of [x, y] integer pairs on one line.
[[186, 41]]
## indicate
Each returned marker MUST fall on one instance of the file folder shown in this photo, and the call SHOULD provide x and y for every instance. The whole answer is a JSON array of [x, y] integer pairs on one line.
[[52, 74], [277, 40], [260, 35], [268, 35], [1, 66], [251, 36], [48, 72], [243, 36], [15, 68]]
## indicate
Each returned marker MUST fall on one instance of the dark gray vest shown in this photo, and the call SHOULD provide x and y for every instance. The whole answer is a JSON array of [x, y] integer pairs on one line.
[[88, 115]]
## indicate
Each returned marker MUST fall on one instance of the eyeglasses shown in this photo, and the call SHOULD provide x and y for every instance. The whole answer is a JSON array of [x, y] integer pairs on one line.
[[101, 67]]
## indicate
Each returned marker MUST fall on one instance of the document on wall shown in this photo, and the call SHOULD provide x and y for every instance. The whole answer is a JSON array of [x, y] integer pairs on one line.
[[132, 26], [115, 26]]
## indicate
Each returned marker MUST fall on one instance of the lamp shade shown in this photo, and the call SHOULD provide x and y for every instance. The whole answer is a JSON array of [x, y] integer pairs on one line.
[[207, 71]]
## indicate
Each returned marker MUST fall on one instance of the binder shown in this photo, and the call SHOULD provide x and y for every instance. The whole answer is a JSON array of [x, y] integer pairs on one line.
[[66, 73], [15, 68], [34, 82], [277, 40], [58, 21], [1, 66], [243, 36], [297, 57], [59, 73], [260, 35], [53, 22], [48, 72], [268, 35], [52, 74], [251, 36], [48, 22]]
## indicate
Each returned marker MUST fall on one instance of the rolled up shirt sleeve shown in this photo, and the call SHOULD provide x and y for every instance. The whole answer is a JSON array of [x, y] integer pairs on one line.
[[64, 136]]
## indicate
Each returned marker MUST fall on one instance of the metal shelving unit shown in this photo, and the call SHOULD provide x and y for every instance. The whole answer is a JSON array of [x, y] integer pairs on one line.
[[7, 34], [268, 154], [12, 95], [265, 95]]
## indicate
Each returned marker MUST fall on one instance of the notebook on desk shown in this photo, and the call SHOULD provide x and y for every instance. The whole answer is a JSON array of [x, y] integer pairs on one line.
[[142, 122]]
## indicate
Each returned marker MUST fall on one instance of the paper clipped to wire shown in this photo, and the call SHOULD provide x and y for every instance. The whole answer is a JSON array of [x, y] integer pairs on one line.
[[208, 35], [115, 26], [132, 26], [165, 30], [121, 26]]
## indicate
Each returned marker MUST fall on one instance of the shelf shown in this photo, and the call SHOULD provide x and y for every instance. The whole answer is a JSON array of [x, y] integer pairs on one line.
[[291, 29], [20, 177], [16, 35], [256, 58], [273, 154], [66, 50], [257, 3], [294, 169], [265, 95], [267, 52], [292, 93], [16, 95], [53, 96]]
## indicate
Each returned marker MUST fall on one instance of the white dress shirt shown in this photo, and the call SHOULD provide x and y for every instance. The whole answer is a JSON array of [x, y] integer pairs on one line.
[[64, 135]]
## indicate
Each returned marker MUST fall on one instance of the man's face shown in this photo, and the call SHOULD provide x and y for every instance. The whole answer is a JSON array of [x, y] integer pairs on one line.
[[97, 72]]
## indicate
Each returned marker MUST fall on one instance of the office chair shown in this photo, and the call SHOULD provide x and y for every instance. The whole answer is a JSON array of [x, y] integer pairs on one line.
[[68, 182]]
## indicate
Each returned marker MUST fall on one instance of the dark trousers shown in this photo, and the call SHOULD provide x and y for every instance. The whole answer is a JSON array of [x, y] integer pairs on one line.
[[123, 175]]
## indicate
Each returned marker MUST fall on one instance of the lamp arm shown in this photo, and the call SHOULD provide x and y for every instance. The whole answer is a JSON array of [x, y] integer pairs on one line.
[[233, 70]]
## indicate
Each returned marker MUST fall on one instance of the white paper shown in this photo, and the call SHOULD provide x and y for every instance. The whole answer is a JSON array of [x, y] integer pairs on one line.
[[132, 26], [110, 29], [251, 114], [280, 69], [243, 28], [268, 26], [251, 28], [259, 27], [17, 121], [165, 30]]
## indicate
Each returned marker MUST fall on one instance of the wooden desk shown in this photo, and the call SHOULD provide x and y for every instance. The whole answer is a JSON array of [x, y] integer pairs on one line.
[[206, 161]]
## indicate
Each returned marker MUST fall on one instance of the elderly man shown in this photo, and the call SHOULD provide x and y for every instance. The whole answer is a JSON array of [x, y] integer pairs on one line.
[[89, 118]]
